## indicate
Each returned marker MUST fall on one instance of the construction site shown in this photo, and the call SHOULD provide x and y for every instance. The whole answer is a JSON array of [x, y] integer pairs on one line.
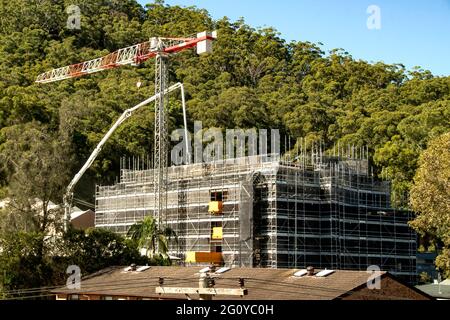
[[262, 211], [268, 211]]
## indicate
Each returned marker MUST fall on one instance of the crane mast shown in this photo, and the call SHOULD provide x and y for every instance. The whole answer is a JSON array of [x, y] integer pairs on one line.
[[160, 48], [161, 146]]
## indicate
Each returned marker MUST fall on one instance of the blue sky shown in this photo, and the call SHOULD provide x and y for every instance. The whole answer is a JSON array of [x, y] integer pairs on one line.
[[414, 32]]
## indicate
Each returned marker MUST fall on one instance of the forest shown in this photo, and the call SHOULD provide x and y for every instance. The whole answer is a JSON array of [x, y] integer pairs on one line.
[[253, 79]]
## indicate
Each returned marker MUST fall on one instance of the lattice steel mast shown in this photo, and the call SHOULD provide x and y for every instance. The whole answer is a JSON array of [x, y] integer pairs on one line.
[[161, 134]]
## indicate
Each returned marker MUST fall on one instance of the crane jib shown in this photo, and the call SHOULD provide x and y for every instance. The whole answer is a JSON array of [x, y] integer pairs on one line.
[[133, 55]]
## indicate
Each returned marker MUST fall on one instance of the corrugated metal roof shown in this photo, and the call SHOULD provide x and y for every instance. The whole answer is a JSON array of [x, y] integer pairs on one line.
[[262, 284]]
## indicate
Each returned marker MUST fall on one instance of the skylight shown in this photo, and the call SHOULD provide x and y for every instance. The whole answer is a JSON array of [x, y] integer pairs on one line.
[[223, 270], [140, 269], [300, 273], [325, 273]]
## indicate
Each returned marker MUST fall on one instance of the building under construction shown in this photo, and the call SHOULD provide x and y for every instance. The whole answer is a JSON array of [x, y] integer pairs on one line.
[[261, 211]]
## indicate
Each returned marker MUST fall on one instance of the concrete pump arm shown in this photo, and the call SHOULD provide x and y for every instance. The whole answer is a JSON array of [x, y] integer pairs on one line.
[[125, 115]]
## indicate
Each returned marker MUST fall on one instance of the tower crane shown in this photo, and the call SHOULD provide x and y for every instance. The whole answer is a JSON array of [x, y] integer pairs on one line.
[[160, 48]]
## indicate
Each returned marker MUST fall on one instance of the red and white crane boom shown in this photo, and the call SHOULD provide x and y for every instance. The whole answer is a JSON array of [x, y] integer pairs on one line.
[[133, 55]]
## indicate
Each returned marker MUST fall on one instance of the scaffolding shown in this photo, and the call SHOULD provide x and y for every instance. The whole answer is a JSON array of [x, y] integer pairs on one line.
[[265, 211]]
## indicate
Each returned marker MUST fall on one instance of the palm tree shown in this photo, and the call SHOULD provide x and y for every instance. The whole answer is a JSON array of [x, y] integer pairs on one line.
[[149, 236]]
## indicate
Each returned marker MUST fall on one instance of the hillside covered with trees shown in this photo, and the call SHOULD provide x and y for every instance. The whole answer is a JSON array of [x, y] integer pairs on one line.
[[254, 78]]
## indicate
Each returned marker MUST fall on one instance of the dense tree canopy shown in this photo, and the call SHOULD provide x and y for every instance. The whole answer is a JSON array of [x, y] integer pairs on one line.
[[430, 196], [31, 260], [254, 78]]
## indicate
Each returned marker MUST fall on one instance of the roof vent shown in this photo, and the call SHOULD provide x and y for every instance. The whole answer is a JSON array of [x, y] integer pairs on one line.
[[300, 273], [310, 271], [325, 273]]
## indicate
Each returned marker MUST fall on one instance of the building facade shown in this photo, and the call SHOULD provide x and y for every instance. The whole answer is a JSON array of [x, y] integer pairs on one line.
[[261, 211]]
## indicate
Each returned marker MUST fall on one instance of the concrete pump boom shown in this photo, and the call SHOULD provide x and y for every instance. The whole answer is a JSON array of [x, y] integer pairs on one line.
[[125, 115]]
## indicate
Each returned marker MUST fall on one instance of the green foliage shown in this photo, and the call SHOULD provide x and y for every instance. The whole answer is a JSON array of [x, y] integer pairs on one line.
[[36, 165], [424, 278], [149, 236], [23, 262], [430, 196], [96, 249], [32, 260]]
